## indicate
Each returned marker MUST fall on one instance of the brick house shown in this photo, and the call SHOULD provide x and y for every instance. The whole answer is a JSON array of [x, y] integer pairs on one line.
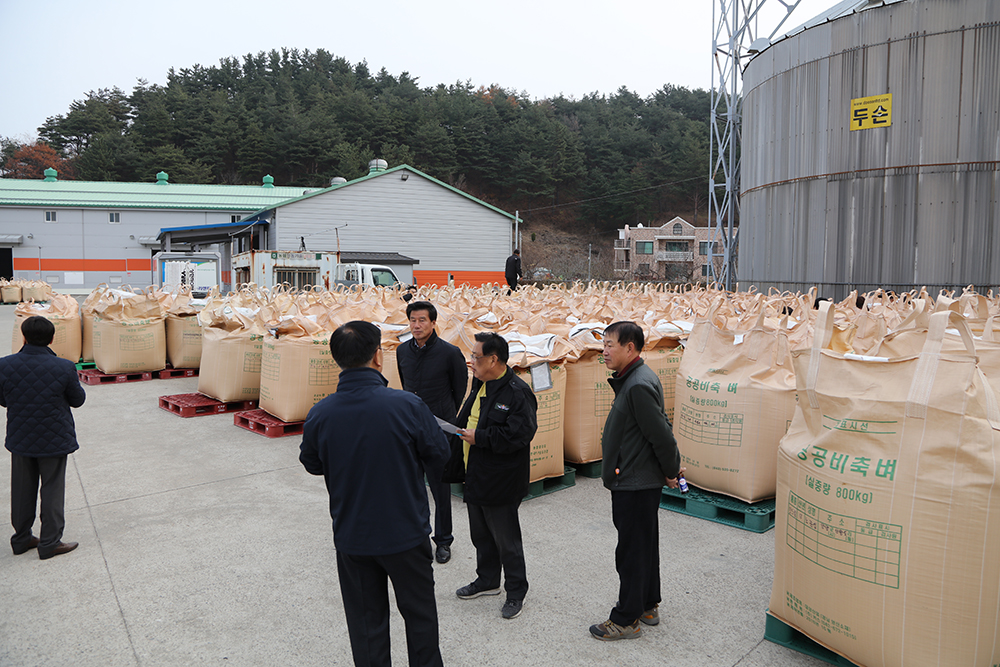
[[676, 251]]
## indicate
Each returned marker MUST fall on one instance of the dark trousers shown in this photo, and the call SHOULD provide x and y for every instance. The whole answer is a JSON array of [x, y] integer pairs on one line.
[[441, 491], [511, 284], [364, 588], [25, 474], [637, 557], [496, 533]]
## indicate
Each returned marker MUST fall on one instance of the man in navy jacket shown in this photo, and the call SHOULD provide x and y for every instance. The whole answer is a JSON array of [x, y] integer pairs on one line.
[[372, 445], [435, 371], [39, 389]]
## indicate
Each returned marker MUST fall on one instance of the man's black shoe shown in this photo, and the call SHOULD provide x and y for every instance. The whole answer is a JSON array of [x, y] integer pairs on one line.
[[443, 553], [32, 543], [60, 549]]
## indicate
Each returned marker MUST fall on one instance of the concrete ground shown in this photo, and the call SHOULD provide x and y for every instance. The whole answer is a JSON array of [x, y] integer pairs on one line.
[[203, 543]]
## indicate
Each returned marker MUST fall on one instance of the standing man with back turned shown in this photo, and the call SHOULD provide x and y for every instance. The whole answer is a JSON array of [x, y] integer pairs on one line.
[[435, 371], [512, 271], [640, 455], [497, 422], [372, 445], [38, 389]]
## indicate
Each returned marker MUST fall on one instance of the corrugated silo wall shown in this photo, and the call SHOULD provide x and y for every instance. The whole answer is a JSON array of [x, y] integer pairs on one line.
[[915, 203]]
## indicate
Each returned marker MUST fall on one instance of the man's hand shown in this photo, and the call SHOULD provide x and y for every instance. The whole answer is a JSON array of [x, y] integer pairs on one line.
[[672, 481], [468, 435]]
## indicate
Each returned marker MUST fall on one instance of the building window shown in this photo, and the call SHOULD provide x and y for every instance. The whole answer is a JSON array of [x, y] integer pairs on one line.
[[114, 218], [644, 247], [50, 216], [644, 268], [235, 217], [298, 278], [703, 248], [677, 246], [704, 270], [678, 229]]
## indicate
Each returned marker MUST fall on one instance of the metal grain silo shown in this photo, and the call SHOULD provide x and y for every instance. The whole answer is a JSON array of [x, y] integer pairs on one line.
[[844, 197]]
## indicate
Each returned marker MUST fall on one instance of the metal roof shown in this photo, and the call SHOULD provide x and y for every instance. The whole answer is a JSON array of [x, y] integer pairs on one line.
[[839, 10], [108, 194], [207, 233], [371, 175], [377, 258]]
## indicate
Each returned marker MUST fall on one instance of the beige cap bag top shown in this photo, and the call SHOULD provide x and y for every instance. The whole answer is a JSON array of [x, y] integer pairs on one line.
[[64, 313], [888, 506], [183, 332], [36, 290], [232, 345], [87, 317], [297, 370], [129, 333], [588, 395], [539, 361], [734, 400], [10, 292]]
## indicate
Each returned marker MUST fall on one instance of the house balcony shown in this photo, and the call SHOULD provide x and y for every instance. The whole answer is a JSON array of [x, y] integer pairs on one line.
[[672, 256], [622, 266], [621, 244]]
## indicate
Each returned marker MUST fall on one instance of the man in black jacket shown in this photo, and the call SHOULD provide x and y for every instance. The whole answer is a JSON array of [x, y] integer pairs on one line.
[[512, 270], [372, 445], [39, 389], [498, 422], [435, 371], [639, 456]]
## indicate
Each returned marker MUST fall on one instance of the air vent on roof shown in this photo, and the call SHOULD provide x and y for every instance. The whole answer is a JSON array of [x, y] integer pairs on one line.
[[377, 165], [338, 180]]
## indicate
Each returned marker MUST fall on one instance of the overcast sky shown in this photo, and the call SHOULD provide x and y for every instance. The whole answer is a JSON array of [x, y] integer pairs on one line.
[[58, 50]]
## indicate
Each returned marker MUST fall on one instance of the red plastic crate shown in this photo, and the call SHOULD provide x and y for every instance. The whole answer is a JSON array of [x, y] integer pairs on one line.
[[261, 422], [197, 405]]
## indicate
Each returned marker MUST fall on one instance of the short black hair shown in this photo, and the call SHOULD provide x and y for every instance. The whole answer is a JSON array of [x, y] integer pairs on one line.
[[517, 251], [432, 312], [38, 331], [494, 344], [627, 332], [354, 344]]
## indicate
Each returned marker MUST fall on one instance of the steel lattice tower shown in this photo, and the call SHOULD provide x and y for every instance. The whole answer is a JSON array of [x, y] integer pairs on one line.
[[735, 38]]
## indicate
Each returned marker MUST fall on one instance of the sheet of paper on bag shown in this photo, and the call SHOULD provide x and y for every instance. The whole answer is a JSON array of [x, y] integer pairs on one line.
[[447, 427]]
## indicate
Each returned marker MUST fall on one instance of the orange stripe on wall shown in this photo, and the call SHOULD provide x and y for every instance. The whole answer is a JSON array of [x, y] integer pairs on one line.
[[33, 264], [472, 278]]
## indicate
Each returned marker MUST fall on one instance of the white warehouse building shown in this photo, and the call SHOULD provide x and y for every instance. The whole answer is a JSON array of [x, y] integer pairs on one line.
[[76, 235]]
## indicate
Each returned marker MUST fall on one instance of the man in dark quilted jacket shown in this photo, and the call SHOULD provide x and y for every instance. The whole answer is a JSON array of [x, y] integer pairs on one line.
[[38, 389]]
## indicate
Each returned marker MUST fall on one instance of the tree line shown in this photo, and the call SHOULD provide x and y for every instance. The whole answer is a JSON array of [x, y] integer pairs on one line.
[[304, 117]]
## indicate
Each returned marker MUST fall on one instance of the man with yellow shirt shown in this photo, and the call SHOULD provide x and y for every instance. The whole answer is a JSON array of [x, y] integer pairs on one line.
[[498, 421]]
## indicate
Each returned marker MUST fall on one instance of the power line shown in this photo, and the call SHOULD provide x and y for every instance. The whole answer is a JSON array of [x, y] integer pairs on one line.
[[615, 194]]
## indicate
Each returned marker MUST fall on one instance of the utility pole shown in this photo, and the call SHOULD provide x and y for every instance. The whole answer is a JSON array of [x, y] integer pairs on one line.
[[735, 39]]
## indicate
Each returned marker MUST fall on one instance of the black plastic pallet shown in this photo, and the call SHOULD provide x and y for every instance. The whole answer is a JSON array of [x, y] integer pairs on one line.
[[535, 489], [590, 470], [757, 517], [778, 632]]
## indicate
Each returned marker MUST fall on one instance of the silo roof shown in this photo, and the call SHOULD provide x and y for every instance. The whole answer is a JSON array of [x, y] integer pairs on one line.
[[839, 10]]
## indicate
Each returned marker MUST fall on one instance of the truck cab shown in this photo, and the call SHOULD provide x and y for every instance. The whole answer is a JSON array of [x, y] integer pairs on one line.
[[372, 275]]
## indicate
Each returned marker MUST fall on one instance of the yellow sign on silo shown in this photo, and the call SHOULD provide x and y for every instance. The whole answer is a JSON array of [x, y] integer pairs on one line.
[[869, 112]]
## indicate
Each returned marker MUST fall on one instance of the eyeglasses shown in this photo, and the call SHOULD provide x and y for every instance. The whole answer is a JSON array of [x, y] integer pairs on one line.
[[476, 357]]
